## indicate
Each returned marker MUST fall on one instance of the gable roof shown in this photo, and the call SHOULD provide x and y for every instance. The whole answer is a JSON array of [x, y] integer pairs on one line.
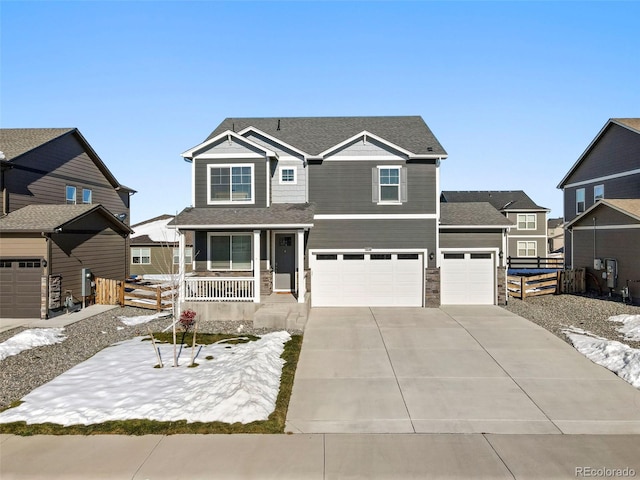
[[52, 218], [478, 214], [555, 222], [502, 200], [15, 142], [314, 135], [631, 124], [627, 206], [155, 231]]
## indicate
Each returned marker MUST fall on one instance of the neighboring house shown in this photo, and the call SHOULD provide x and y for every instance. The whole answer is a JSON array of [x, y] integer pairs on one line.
[[555, 236], [609, 169], [154, 249], [344, 208], [528, 236], [62, 211]]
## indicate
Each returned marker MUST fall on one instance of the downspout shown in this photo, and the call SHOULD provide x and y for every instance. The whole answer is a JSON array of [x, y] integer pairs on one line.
[[594, 239]]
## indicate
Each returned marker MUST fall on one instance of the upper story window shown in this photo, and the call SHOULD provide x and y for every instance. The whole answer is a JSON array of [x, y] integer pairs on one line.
[[288, 175], [71, 195], [87, 195], [526, 221], [230, 184], [579, 200], [598, 192], [389, 185], [141, 256]]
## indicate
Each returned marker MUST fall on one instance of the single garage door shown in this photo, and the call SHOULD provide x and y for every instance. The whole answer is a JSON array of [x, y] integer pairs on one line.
[[467, 278], [20, 288], [366, 279]]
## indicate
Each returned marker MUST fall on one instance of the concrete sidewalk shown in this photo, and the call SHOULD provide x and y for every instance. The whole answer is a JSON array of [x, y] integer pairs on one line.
[[316, 456], [60, 321], [478, 369]]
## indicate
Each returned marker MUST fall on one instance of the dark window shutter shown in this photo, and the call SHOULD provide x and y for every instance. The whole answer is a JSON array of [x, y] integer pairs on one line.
[[404, 193], [375, 195]]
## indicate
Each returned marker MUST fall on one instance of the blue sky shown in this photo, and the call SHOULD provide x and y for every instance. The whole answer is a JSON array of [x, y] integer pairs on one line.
[[514, 91]]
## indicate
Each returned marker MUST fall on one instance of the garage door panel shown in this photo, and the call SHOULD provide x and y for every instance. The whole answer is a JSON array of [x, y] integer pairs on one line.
[[20, 288], [467, 279], [380, 281]]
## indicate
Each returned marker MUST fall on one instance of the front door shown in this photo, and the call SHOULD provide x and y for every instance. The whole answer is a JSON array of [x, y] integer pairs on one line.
[[285, 266]]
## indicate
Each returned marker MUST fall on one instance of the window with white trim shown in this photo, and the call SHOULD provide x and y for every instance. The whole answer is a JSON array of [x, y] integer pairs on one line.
[[389, 184], [71, 195], [527, 249], [598, 193], [288, 175], [526, 221], [140, 256], [230, 184], [188, 256], [579, 200], [87, 195], [230, 251]]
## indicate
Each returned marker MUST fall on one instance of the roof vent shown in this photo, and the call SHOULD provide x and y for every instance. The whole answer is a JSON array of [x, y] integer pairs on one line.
[[278, 128], [429, 149]]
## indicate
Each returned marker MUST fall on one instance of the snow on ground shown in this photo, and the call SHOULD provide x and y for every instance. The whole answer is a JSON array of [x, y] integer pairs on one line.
[[129, 321], [621, 359], [240, 384], [630, 326], [28, 339]]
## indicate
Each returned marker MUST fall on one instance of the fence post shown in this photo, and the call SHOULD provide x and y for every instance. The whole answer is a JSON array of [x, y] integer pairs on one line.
[[523, 289], [121, 293], [158, 298]]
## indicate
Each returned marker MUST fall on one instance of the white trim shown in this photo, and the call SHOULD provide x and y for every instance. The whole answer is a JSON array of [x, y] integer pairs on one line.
[[193, 183], [239, 225], [223, 156], [603, 178], [398, 168], [595, 199], [368, 158], [268, 180], [315, 251], [256, 263], [288, 167], [486, 227], [252, 201], [377, 216], [472, 250], [584, 200], [607, 227], [525, 236], [140, 255], [438, 193], [302, 287], [189, 154], [526, 222], [526, 248], [364, 133]]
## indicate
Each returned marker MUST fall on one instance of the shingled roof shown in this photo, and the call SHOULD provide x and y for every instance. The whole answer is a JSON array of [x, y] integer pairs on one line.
[[51, 218], [314, 135], [472, 214], [502, 200], [278, 214]]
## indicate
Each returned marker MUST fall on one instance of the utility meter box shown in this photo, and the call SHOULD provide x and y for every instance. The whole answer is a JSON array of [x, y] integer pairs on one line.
[[87, 279], [597, 264], [611, 269]]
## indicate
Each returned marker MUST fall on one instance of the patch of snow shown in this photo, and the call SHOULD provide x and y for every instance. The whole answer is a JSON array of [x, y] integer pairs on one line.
[[28, 339], [630, 326], [621, 359], [130, 321], [157, 231], [240, 384]]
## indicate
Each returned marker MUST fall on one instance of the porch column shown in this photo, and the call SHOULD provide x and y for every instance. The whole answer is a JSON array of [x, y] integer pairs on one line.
[[256, 266], [302, 285], [181, 266]]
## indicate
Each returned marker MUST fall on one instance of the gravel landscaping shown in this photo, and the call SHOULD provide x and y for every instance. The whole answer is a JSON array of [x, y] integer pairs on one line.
[[555, 312], [20, 374]]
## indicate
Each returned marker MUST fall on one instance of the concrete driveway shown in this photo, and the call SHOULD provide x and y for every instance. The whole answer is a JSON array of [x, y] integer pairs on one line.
[[476, 369]]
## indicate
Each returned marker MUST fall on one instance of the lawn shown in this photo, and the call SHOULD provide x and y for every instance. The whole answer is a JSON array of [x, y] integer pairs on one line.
[[234, 387]]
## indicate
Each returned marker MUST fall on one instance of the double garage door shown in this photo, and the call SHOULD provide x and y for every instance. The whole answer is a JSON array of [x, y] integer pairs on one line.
[[467, 278], [20, 288], [366, 279]]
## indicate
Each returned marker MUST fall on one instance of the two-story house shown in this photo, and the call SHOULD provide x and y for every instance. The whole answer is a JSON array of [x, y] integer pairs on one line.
[[345, 206], [62, 211], [527, 238], [601, 195], [555, 236]]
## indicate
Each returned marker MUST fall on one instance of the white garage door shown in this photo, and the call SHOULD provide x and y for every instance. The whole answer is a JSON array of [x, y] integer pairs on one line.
[[366, 279], [467, 279]]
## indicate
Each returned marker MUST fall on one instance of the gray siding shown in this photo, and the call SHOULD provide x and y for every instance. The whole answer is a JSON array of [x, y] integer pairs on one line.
[[260, 179], [41, 175], [391, 234], [617, 150], [276, 147], [541, 224], [470, 239], [512, 245], [223, 146], [605, 215], [345, 187], [370, 148], [621, 245], [102, 252], [287, 193]]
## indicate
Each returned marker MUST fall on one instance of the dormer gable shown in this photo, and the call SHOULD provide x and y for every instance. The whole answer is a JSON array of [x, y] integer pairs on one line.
[[228, 145], [365, 145]]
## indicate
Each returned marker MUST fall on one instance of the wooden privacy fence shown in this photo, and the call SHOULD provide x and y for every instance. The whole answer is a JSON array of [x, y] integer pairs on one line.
[[562, 281], [118, 292]]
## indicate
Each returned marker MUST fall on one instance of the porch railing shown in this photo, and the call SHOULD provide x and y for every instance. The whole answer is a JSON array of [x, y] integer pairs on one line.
[[215, 289]]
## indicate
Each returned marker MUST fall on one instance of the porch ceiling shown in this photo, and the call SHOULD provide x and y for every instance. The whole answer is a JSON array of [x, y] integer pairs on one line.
[[282, 215]]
